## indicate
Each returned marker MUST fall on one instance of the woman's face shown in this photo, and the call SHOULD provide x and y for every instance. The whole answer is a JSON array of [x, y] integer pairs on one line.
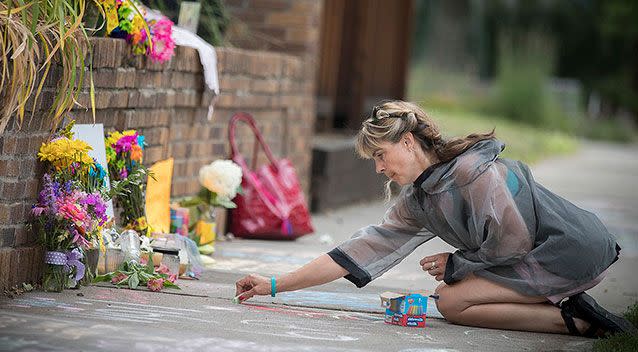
[[400, 161]]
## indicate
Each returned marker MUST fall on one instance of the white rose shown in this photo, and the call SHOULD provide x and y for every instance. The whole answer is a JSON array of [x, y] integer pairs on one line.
[[222, 177]]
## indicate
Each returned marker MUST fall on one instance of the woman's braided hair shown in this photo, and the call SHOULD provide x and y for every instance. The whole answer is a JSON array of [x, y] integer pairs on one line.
[[391, 120]]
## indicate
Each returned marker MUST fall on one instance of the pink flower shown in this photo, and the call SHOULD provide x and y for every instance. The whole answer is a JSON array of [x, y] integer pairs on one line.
[[155, 284], [163, 269], [172, 278], [117, 278], [144, 261], [163, 44], [72, 212]]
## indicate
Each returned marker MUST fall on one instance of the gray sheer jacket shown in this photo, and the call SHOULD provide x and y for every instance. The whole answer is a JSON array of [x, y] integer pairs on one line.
[[507, 228]]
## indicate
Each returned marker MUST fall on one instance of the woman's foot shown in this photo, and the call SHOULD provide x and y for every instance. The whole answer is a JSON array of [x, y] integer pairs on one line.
[[584, 317]]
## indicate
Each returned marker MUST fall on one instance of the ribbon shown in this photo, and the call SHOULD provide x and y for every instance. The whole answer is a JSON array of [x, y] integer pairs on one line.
[[286, 227], [69, 260]]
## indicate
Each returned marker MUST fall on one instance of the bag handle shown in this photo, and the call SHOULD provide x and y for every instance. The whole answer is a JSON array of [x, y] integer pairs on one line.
[[236, 155], [259, 140]]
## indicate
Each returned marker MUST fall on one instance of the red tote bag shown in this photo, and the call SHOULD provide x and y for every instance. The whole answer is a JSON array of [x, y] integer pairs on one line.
[[272, 206]]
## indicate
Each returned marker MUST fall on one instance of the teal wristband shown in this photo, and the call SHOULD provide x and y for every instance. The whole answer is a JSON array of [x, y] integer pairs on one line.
[[273, 286]]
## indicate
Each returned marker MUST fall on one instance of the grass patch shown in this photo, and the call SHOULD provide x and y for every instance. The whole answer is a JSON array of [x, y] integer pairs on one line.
[[621, 342], [523, 142], [609, 130]]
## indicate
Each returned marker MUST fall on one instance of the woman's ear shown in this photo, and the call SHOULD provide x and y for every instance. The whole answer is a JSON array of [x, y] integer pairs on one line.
[[408, 141]]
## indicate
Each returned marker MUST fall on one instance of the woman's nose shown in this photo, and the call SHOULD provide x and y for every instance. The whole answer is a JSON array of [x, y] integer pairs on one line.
[[380, 168]]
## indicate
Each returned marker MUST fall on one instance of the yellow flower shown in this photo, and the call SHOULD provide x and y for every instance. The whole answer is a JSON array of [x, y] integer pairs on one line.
[[62, 152], [113, 138]]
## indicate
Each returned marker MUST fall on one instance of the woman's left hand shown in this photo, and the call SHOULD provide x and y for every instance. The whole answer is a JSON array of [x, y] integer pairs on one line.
[[435, 265]]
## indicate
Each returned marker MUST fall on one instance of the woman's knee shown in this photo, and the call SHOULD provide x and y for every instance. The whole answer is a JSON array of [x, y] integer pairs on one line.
[[449, 303]]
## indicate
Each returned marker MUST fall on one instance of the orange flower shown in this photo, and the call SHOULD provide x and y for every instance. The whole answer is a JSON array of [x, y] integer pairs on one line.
[[136, 153]]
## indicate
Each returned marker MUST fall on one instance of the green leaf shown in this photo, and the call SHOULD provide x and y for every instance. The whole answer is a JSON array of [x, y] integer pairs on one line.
[[150, 266], [171, 285], [103, 278], [229, 204], [134, 281], [144, 277]]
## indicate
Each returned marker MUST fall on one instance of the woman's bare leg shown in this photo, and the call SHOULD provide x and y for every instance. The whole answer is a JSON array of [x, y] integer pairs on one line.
[[475, 301]]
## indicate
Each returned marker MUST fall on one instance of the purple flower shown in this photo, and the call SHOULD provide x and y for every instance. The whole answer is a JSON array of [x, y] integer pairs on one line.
[[98, 206], [67, 187], [37, 211], [49, 194], [78, 239], [123, 173], [124, 144]]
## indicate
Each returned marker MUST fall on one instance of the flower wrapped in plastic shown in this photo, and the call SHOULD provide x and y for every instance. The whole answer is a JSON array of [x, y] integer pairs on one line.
[[124, 155], [148, 32]]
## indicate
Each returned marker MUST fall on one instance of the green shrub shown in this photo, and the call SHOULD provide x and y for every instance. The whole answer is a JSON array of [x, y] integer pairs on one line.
[[632, 314], [609, 130], [621, 342], [520, 90]]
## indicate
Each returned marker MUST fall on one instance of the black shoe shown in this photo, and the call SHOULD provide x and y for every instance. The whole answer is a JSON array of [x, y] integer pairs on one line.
[[583, 306]]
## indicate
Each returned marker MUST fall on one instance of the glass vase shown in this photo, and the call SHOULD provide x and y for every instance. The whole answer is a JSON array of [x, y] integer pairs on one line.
[[90, 260], [53, 278], [205, 228]]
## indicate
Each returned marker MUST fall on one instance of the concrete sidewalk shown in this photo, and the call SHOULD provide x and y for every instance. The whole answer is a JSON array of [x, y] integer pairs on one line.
[[332, 317]]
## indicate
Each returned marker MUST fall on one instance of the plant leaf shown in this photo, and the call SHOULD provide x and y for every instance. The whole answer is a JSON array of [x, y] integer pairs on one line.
[[134, 281]]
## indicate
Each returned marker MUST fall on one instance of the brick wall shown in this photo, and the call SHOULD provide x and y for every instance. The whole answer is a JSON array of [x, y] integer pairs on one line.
[[168, 104], [288, 26]]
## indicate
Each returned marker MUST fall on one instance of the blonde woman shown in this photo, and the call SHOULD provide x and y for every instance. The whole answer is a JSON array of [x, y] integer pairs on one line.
[[525, 255]]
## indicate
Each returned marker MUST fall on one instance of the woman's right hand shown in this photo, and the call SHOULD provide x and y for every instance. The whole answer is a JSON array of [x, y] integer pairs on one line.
[[252, 285]]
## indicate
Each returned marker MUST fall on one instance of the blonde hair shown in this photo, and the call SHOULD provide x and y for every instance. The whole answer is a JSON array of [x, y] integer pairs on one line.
[[391, 120]]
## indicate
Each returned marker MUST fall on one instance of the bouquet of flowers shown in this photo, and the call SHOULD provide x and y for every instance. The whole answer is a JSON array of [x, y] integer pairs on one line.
[[71, 208], [133, 275], [124, 154], [148, 32], [220, 183]]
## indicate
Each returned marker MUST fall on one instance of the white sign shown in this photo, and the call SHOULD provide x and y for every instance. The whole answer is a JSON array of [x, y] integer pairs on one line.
[[94, 136]]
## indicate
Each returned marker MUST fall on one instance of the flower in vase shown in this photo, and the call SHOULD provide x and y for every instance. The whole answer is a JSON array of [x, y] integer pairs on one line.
[[155, 284]]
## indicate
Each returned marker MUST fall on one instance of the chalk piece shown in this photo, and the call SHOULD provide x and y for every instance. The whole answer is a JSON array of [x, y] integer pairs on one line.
[[236, 299]]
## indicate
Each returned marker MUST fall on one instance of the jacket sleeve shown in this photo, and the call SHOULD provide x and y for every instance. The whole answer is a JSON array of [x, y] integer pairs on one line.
[[375, 249], [494, 223]]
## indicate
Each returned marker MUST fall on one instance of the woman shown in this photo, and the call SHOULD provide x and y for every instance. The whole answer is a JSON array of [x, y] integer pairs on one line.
[[521, 248]]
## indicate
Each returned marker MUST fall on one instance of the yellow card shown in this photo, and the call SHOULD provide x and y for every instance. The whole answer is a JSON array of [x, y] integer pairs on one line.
[[158, 196]]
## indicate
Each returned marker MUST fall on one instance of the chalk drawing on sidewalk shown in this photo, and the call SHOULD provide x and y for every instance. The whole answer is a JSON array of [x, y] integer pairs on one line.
[[295, 331], [356, 301], [14, 344], [316, 314], [229, 309], [428, 350], [113, 310], [368, 302], [41, 302]]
